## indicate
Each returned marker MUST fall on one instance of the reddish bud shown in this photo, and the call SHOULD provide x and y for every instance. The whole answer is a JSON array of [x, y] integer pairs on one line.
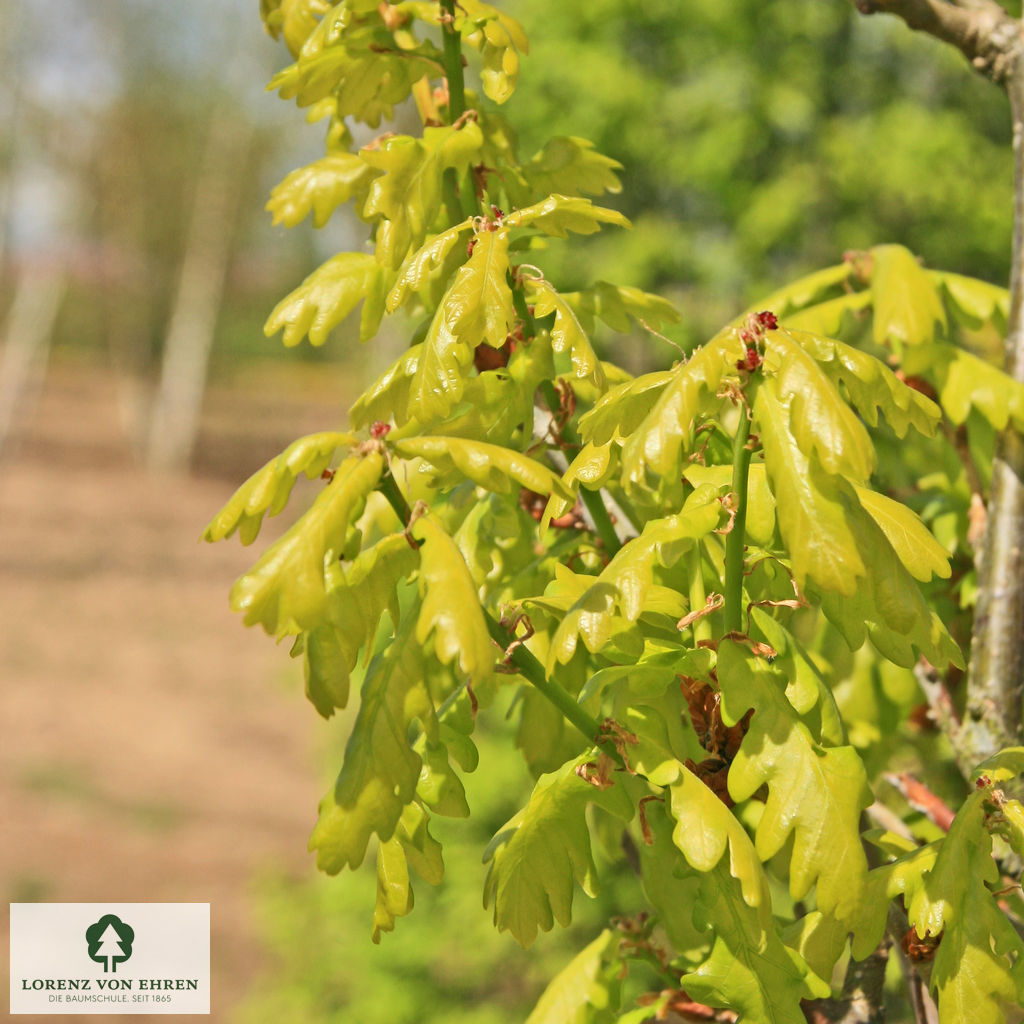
[[380, 429]]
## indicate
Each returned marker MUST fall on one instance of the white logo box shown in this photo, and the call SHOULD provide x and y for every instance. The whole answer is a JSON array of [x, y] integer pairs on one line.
[[137, 958]]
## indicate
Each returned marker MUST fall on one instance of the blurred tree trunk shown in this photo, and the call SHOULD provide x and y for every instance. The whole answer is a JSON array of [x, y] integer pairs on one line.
[[26, 339], [178, 401]]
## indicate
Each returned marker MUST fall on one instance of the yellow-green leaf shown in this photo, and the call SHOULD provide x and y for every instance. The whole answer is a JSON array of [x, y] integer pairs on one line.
[[286, 590], [570, 166], [490, 466], [327, 296], [416, 269], [268, 489], [320, 187], [907, 304], [451, 609], [918, 550], [566, 333], [558, 215]]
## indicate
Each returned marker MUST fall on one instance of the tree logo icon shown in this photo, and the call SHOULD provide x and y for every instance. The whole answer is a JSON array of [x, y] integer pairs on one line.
[[110, 942]]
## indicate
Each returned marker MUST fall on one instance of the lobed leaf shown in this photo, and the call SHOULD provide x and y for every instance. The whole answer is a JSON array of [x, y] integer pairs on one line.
[[807, 291], [978, 970], [408, 192], [388, 396], [558, 215], [814, 793], [922, 555], [379, 774], [814, 515], [414, 272], [327, 296], [620, 411], [286, 590], [450, 610], [820, 421], [624, 585], [477, 308], [540, 851], [293, 20], [570, 166], [588, 984], [319, 188], [617, 305], [907, 305], [500, 40], [268, 489], [490, 466], [566, 333], [871, 386], [357, 597], [655, 449], [976, 302]]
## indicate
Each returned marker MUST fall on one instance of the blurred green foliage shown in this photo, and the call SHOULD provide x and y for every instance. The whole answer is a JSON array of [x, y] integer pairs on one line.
[[761, 140]]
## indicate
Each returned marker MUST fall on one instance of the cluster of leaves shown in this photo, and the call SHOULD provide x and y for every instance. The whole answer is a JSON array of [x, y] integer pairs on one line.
[[512, 512]]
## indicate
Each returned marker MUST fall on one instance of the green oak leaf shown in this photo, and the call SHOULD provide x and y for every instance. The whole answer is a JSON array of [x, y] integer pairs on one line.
[[357, 596], [978, 970], [557, 215], [907, 305], [286, 591], [586, 990], [268, 489], [408, 193], [566, 333], [319, 188], [327, 296], [536, 856], [451, 610], [380, 772], [489, 466], [476, 309], [815, 793], [570, 166]]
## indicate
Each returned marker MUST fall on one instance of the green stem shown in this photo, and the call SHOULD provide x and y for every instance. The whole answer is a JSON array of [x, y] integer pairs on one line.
[[529, 326], [734, 542], [526, 663], [396, 499], [592, 499], [698, 596], [453, 62], [531, 669]]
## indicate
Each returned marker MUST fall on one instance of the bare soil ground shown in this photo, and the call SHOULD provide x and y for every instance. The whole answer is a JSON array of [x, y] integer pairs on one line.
[[153, 749]]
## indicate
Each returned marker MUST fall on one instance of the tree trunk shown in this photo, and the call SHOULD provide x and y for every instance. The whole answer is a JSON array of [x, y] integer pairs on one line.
[[178, 401]]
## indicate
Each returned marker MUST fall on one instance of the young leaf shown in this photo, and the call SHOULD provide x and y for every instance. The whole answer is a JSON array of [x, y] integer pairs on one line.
[[451, 609], [357, 597], [813, 507], [558, 215], [408, 192], [907, 305], [622, 588], [587, 985], [327, 296], [655, 449], [320, 187], [815, 793], [976, 302], [477, 308], [500, 40], [388, 396], [394, 893], [617, 304], [923, 556], [413, 274], [286, 590], [537, 854], [620, 411], [566, 332], [571, 166], [490, 466], [978, 970], [819, 420], [871, 386], [268, 489], [293, 20], [379, 774], [806, 291]]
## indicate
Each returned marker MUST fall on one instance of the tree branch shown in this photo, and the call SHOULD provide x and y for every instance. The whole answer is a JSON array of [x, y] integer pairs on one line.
[[980, 29]]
